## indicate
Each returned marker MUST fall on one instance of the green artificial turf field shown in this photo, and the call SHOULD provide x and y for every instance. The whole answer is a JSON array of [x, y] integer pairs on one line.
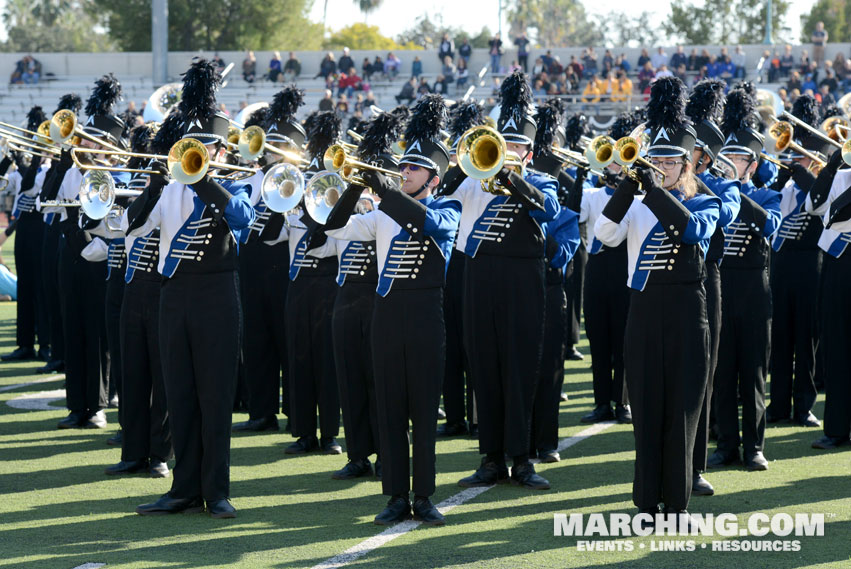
[[58, 509]]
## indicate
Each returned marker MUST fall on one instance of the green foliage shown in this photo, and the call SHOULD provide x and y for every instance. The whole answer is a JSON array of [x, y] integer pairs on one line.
[[620, 30], [554, 23], [723, 21], [215, 24], [362, 36], [52, 26], [479, 40], [834, 13]]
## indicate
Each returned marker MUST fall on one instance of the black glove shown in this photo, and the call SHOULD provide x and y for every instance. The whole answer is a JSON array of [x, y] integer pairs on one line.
[[581, 175], [65, 161], [783, 176], [803, 178], [610, 179], [835, 161], [647, 178], [5, 163], [159, 177], [379, 182]]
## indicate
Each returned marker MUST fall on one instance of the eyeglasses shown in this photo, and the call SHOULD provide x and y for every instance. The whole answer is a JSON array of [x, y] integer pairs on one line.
[[412, 167], [666, 164]]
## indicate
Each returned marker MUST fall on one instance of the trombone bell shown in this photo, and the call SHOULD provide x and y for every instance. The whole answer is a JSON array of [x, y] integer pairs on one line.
[[251, 143], [188, 161], [62, 126], [600, 152]]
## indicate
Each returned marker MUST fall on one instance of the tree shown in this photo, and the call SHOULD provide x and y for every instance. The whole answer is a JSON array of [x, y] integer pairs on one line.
[[622, 31], [215, 24], [723, 21], [362, 36], [479, 40], [51, 25], [554, 23], [834, 13], [368, 7]]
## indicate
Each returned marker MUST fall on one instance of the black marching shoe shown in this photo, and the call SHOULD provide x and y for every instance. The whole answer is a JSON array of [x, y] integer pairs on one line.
[[700, 486], [168, 505], [354, 469], [623, 414], [269, 423], [127, 467], [828, 442], [19, 355], [54, 366], [524, 475], [43, 353], [488, 474], [547, 456], [685, 522], [116, 439], [572, 354], [441, 414], [651, 523], [755, 462], [74, 420], [303, 446], [600, 413], [452, 429], [96, 420], [221, 509], [158, 469], [398, 510], [330, 445], [378, 468], [425, 512], [808, 420], [719, 458]]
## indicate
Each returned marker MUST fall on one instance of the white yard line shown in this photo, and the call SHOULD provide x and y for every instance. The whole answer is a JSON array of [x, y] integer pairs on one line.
[[356, 552], [35, 382], [90, 566]]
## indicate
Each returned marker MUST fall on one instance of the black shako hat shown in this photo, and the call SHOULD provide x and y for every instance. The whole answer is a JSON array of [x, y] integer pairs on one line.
[[423, 144], [671, 133]]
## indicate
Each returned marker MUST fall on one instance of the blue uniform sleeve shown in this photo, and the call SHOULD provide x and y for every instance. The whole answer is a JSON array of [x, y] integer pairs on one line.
[[770, 202], [549, 188], [565, 231], [728, 191], [767, 172], [238, 212], [442, 218], [703, 220]]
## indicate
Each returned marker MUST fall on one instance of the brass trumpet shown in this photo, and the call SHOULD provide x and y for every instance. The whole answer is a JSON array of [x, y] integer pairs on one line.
[[482, 153], [600, 151], [64, 127]]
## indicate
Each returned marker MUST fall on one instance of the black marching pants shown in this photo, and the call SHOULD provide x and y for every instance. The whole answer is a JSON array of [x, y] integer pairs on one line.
[[264, 279], [312, 380], [114, 298], [352, 330], [31, 313], [712, 284], [551, 376], [143, 401], [50, 280], [742, 359], [795, 278], [504, 303], [574, 286], [606, 307], [82, 285], [456, 405], [836, 341], [408, 345], [667, 360], [200, 328]]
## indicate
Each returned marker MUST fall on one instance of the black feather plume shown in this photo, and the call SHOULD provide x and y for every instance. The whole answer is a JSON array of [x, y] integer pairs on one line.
[[738, 111], [141, 137], [806, 109], [548, 118], [427, 118], [324, 130], [106, 93], [831, 111], [624, 124], [71, 101], [308, 122], [404, 112], [577, 127], [285, 104], [706, 101], [381, 132], [258, 118], [198, 98], [515, 97], [667, 105], [170, 131], [748, 87], [465, 115], [35, 117]]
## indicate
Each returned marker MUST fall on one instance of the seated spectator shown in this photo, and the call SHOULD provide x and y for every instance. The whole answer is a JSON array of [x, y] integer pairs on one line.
[[249, 68], [659, 58], [824, 96], [663, 71], [346, 61], [327, 102], [514, 66], [555, 66], [589, 62], [538, 91], [292, 68], [809, 84], [328, 66], [680, 73], [462, 74], [377, 67], [575, 66], [646, 75], [367, 104], [218, 62], [740, 61], [702, 73], [342, 106], [839, 65], [416, 67], [774, 69], [794, 81], [465, 51], [349, 82], [441, 85], [423, 88], [448, 70], [32, 70], [691, 64], [275, 67], [359, 106], [606, 87], [712, 68], [703, 59], [17, 73], [537, 67], [726, 69], [591, 92], [608, 62], [622, 88], [787, 61], [625, 64], [547, 58], [408, 92], [366, 69], [678, 58], [829, 81], [643, 58], [804, 61], [572, 81], [392, 65]]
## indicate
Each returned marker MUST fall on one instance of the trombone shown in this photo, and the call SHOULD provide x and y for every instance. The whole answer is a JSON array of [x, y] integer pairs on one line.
[[338, 159], [251, 144], [41, 137], [574, 158], [64, 127], [482, 153], [781, 134], [798, 122]]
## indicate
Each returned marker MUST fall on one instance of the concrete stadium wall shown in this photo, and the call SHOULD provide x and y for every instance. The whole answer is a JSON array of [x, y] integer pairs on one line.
[[140, 63]]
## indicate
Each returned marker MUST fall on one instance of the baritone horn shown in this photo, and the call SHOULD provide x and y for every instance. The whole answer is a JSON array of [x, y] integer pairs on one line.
[[322, 193], [98, 193], [282, 188]]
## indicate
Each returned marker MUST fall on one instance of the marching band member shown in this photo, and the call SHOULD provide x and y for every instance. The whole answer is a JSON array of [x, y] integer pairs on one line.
[[264, 265], [310, 300], [745, 297], [795, 275], [667, 231], [704, 109], [200, 314], [31, 314], [413, 232], [562, 235], [505, 295], [606, 296]]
